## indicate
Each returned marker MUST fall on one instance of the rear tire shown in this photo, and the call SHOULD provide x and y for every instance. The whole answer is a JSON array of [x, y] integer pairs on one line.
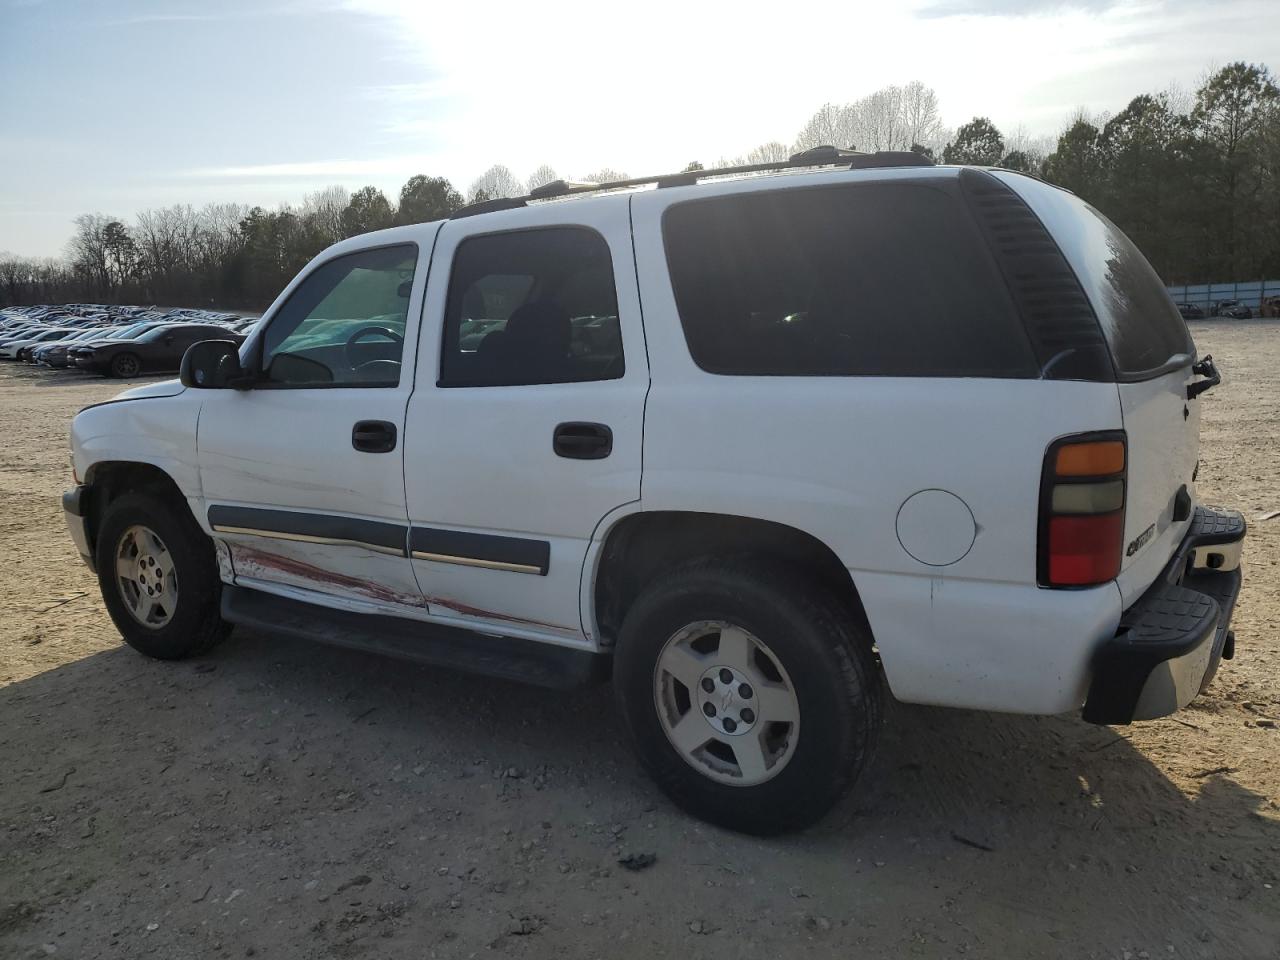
[[808, 672], [159, 578]]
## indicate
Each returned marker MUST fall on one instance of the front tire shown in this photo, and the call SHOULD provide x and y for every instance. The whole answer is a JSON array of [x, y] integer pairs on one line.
[[750, 694], [158, 577], [125, 365]]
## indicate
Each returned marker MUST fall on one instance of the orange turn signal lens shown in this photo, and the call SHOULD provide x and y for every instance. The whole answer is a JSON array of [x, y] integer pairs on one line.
[[1102, 458]]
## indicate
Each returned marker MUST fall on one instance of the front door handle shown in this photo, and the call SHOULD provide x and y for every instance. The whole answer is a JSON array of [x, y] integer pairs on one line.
[[374, 436], [582, 441]]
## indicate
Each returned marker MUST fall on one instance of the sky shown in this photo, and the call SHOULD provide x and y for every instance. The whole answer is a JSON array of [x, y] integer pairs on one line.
[[117, 106]]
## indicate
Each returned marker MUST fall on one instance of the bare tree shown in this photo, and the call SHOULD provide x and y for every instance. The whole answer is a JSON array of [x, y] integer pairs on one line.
[[771, 152], [921, 117], [324, 210], [497, 181], [875, 121], [167, 245], [605, 175], [87, 250], [218, 243], [543, 175], [828, 126], [1031, 149], [891, 118]]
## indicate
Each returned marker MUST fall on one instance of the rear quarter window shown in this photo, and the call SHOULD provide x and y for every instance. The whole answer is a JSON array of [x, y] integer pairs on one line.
[[1139, 319], [1144, 333], [877, 279]]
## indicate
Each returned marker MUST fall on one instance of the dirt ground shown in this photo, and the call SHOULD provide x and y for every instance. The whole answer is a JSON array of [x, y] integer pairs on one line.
[[280, 799]]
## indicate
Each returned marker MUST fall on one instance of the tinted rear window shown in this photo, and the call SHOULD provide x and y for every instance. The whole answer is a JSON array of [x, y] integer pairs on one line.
[[1139, 319], [883, 279]]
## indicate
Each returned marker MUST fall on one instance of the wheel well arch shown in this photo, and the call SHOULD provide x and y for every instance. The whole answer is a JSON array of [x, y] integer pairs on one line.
[[642, 545], [110, 479]]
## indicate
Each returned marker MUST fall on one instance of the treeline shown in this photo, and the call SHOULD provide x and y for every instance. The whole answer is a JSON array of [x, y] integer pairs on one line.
[[1194, 179]]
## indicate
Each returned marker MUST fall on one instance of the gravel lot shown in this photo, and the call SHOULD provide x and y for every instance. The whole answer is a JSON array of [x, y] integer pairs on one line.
[[278, 799]]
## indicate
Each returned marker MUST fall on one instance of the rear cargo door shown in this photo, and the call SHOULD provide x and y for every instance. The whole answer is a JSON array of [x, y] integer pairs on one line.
[[1163, 427], [1153, 355]]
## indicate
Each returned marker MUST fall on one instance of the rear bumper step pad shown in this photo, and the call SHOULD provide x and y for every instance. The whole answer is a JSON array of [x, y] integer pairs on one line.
[[1170, 641]]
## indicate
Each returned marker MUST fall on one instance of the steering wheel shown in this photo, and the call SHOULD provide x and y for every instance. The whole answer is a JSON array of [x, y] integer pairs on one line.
[[352, 361]]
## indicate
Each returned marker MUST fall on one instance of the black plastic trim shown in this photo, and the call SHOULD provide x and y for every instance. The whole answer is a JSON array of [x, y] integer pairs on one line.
[[1168, 622], [582, 440], [483, 548], [375, 533], [526, 661], [488, 206], [1179, 361], [373, 436], [1179, 612], [1211, 527], [75, 500]]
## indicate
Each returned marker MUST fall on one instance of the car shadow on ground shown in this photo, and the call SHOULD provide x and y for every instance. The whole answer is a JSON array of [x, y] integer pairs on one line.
[[271, 761]]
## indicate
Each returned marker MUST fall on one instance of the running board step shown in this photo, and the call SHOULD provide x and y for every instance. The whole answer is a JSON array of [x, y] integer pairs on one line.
[[509, 658]]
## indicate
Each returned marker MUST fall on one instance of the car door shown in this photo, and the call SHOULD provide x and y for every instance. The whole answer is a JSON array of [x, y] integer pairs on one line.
[[303, 473], [525, 424]]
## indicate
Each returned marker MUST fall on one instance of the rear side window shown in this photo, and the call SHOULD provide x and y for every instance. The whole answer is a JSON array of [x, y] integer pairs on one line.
[[883, 279], [1138, 317], [531, 307]]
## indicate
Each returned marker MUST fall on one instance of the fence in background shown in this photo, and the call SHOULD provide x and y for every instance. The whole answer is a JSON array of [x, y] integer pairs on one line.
[[1205, 295]]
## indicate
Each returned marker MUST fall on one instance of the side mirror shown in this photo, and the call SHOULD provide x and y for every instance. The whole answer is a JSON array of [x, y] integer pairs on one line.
[[211, 365]]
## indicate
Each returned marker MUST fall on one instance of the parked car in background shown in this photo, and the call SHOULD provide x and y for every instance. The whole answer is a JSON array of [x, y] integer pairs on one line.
[[26, 353], [9, 351], [1233, 309], [1190, 311], [22, 331], [54, 353], [159, 350], [1270, 307]]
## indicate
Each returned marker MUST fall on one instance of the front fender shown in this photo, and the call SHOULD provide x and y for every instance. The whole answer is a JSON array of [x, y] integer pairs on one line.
[[153, 425]]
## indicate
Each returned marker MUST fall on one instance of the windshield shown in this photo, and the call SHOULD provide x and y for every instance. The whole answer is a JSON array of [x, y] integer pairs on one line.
[[135, 332]]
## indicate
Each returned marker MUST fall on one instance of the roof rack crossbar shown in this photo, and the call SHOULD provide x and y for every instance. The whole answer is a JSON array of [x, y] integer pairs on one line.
[[820, 156]]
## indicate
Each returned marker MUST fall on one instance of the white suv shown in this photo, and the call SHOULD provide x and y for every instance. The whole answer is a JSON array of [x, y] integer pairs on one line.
[[743, 440]]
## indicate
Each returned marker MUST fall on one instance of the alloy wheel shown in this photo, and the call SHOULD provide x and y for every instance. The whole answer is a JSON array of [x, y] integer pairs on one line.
[[726, 703], [146, 577]]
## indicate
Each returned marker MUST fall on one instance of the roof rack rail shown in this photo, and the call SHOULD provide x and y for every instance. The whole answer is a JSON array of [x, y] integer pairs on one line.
[[823, 154], [820, 156], [560, 188], [488, 206]]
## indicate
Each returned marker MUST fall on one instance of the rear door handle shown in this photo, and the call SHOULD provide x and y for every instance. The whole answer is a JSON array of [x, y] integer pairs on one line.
[[582, 441], [374, 436]]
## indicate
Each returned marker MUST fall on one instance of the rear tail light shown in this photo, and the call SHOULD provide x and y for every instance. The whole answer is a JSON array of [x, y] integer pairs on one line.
[[1082, 495]]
